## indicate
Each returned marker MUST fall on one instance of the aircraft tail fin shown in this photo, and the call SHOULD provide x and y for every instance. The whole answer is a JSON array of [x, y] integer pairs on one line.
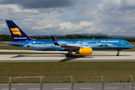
[[16, 32]]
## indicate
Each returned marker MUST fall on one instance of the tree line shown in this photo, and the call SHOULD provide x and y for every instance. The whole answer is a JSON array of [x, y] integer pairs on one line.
[[9, 37]]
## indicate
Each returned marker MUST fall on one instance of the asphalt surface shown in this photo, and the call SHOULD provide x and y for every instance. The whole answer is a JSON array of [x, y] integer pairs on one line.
[[59, 56], [67, 86]]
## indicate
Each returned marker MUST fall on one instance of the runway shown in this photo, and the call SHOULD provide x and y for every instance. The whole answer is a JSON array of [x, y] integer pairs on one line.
[[59, 56]]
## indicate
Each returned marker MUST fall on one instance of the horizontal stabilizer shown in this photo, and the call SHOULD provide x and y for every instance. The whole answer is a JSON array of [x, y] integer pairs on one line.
[[19, 44]]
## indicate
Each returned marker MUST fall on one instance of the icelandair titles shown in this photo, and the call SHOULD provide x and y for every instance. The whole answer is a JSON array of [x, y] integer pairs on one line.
[[20, 37], [111, 41]]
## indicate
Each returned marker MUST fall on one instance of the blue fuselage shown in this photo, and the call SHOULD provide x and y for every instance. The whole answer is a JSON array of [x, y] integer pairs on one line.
[[95, 44]]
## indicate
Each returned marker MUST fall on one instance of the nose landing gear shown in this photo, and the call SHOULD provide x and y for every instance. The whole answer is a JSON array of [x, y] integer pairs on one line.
[[118, 52]]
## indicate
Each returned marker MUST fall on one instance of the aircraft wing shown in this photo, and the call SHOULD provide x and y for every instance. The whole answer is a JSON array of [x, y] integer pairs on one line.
[[65, 46], [69, 47]]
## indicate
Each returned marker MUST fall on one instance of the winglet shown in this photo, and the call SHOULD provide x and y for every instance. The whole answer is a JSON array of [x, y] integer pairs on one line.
[[54, 41]]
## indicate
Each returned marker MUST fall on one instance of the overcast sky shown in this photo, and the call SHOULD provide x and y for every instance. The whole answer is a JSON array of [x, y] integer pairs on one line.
[[61, 17]]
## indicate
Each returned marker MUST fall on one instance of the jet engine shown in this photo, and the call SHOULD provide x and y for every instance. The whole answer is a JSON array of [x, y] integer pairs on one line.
[[84, 51]]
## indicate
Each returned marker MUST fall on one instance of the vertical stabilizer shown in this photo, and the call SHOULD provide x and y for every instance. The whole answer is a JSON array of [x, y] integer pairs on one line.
[[16, 32]]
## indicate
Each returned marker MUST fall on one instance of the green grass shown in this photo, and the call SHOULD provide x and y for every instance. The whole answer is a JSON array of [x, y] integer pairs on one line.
[[82, 72]]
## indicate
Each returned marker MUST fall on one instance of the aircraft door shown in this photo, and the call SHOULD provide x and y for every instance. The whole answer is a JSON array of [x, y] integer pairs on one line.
[[122, 43], [97, 43], [30, 42]]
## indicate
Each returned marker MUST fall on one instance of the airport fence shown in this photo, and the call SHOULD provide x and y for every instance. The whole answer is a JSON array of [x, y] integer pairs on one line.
[[66, 79]]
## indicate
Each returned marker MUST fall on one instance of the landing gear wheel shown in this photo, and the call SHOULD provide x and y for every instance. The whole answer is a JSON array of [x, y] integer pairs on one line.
[[68, 55]]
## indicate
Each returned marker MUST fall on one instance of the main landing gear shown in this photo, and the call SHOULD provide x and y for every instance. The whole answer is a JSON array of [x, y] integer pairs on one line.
[[118, 52], [69, 54]]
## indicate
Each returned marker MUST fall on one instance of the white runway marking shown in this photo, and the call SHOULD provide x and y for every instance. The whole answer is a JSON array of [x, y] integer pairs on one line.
[[86, 88], [61, 88], [111, 87]]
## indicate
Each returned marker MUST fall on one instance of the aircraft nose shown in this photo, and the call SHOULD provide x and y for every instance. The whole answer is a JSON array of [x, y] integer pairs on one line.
[[131, 46]]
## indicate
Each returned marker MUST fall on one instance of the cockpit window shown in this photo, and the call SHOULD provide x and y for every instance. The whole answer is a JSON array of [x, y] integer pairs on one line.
[[128, 43]]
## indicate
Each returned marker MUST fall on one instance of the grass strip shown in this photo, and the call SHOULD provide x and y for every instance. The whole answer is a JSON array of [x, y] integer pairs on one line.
[[58, 72]]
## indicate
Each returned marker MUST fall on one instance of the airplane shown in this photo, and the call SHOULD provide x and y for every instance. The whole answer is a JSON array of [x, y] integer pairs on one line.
[[79, 46]]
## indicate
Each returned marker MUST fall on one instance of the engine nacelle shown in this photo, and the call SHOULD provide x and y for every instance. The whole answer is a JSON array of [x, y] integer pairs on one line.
[[84, 51]]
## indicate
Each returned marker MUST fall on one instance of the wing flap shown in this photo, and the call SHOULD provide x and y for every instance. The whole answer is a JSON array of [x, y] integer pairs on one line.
[[70, 47]]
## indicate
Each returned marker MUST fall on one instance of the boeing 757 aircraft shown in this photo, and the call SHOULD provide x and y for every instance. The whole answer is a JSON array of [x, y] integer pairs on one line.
[[79, 46]]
